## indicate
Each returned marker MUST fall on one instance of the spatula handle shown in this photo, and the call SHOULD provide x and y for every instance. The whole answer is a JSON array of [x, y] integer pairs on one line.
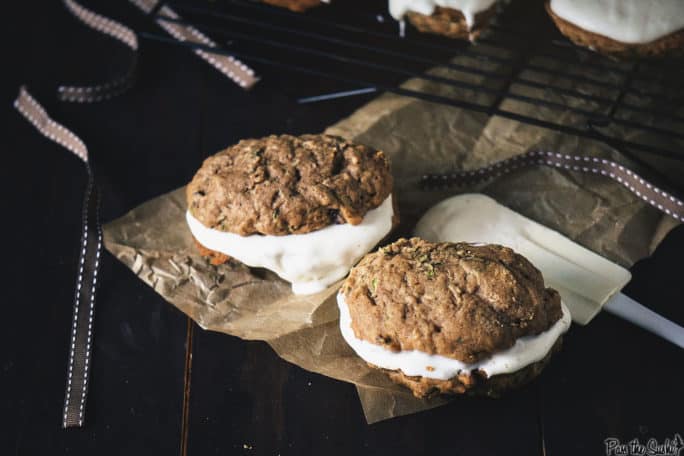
[[627, 308]]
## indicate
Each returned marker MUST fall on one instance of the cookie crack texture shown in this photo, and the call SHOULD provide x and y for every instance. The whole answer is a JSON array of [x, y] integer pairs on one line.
[[457, 300], [287, 184]]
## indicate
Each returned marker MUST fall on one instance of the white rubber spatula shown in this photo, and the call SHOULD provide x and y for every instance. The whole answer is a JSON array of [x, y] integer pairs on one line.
[[587, 282]]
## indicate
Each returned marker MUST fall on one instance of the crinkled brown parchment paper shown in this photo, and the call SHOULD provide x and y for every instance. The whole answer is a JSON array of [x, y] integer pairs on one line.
[[420, 137]]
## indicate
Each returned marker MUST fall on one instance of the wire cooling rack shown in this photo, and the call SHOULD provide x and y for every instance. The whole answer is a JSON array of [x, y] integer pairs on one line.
[[521, 68]]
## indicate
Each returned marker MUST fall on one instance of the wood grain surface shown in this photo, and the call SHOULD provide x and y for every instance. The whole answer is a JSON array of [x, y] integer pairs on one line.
[[161, 385]]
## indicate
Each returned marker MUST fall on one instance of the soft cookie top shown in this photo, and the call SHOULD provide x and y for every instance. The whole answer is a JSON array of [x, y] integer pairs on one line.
[[457, 300], [281, 185]]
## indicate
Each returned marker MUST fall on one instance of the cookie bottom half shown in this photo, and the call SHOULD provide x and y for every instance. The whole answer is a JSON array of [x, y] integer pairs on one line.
[[669, 45], [474, 383]]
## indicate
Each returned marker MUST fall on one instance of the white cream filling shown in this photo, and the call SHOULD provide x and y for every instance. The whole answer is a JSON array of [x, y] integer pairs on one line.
[[310, 261], [627, 21], [527, 350], [469, 8]]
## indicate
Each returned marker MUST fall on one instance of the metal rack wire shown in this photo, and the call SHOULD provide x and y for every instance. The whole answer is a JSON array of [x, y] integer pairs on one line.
[[534, 76]]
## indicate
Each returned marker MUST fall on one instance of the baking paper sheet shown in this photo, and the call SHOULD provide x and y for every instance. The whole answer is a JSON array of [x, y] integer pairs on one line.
[[419, 137]]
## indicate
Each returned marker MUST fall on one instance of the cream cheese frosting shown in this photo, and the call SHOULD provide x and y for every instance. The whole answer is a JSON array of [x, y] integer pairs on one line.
[[469, 8], [525, 351], [311, 261], [627, 21]]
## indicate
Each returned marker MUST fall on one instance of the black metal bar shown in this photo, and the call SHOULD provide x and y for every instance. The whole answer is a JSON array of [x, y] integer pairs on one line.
[[499, 94], [583, 96], [564, 43], [517, 67], [584, 79], [342, 58], [347, 43], [457, 67], [598, 65], [427, 97], [466, 53], [669, 99], [623, 90], [474, 52]]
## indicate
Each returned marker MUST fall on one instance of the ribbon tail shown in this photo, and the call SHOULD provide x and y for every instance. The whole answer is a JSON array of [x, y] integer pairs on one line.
[[663, 201], [81, 340], [170, 21], [119, 84]]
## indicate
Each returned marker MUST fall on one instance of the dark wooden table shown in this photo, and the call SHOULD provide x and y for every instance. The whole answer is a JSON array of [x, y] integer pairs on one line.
[[611, 379]]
